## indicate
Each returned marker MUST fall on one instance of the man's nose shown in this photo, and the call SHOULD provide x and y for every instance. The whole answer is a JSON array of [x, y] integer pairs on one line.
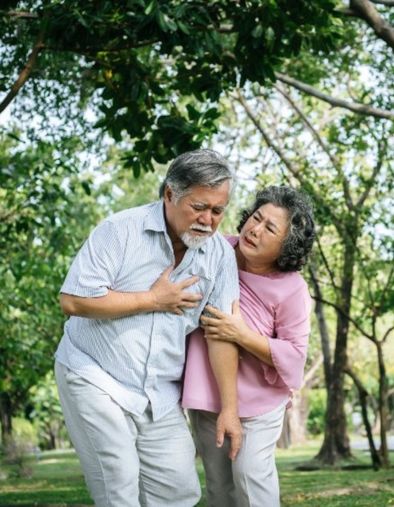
[[205, 217]]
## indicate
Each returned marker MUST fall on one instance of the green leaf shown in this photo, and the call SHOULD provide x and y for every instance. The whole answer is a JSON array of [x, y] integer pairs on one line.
[[86, 187]]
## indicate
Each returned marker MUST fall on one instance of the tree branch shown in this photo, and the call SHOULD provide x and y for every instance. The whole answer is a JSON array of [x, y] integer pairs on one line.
[[322, 144], [292, 169], [387, 333], [369, 184], [25, 73], [23, 14], [326, 264], [388, 3], [310, 374], [350, 319], [386, 288], [365, 10], [351, 106]]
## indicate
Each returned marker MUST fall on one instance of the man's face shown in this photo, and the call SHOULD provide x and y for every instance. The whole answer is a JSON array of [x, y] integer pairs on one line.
[[195, 216]]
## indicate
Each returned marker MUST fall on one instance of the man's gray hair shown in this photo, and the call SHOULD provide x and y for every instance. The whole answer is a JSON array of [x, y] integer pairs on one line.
[[196, 168]]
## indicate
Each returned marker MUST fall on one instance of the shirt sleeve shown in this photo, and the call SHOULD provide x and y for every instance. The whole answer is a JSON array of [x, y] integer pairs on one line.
[[226, 287], [96, 265], [289, 347]]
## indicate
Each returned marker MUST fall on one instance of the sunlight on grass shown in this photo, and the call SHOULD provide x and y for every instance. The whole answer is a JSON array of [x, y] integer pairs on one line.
[[57, 480]]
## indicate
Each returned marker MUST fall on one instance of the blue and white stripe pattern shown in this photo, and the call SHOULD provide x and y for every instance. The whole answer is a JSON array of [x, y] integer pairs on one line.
[[140, 358]]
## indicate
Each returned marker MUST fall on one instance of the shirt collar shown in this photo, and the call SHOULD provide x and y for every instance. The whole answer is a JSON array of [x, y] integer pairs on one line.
[[155, 221]]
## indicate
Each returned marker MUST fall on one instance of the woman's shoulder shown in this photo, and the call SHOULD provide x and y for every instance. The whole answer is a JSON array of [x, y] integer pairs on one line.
[[291, 281], [282, 286], [292, 286], [233, 240]]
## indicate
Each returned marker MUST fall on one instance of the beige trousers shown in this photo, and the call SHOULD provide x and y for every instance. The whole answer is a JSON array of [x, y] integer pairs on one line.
[[251, 480], [128, 461]]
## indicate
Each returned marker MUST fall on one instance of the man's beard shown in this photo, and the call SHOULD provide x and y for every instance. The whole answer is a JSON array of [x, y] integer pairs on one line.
[[192, 241]]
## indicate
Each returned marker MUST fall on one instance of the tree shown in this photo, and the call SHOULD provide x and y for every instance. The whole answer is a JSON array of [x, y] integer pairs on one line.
[[348, 173], [152, 70], [44, 215]]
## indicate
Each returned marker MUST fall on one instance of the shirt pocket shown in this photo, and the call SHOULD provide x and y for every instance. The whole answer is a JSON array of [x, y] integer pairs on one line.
[[192, 315]]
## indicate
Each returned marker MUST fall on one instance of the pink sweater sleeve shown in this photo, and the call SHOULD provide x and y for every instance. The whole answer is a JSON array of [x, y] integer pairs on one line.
[[289, 346]]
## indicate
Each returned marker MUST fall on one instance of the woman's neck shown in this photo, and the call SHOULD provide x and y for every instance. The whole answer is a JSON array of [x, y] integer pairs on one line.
[[259, 268]]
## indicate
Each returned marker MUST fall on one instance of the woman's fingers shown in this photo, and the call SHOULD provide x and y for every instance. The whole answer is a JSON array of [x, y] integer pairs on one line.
[[214, 311]]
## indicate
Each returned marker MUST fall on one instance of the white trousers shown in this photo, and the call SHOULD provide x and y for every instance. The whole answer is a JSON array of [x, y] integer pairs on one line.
[[127, 460], [252, 479]]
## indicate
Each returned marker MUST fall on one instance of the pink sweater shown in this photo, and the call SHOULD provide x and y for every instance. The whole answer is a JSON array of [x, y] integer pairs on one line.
[[277, 306]]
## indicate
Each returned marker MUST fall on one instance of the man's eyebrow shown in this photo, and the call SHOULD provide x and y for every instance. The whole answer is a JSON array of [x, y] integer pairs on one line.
[[205, 205]]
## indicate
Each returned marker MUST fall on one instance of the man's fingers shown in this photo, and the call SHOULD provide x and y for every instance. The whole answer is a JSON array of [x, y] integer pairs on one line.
[[188, 282], [191, 297], [187, 304], [166, 273]]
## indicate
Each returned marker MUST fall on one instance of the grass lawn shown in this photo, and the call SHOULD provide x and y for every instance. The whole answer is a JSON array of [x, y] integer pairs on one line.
[[57, 482]]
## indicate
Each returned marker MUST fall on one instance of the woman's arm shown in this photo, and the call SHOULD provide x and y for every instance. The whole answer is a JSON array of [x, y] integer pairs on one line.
[[283, 356], [223, 358], [232, 328]]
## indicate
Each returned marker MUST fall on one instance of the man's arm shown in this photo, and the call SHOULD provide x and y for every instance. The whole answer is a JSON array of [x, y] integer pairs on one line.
[[224, 362], [163, 296]]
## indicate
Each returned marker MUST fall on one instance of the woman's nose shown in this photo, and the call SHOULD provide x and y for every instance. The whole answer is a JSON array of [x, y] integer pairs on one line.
[[256, 229]]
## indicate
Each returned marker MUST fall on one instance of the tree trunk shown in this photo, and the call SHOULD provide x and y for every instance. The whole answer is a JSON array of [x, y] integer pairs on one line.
[[298, 415], [323, 328], [363, 397], [383, 407], [336, 444], [5, 418], [284, 441]]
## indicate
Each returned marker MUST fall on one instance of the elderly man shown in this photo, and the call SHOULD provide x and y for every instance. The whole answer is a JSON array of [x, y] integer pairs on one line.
[[136, 288]]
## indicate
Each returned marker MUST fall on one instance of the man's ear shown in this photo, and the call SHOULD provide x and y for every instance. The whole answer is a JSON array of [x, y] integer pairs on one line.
[[168, 194]]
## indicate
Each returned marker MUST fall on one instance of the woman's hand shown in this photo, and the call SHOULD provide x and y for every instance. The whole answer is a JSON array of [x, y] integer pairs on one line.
[[220, 326]]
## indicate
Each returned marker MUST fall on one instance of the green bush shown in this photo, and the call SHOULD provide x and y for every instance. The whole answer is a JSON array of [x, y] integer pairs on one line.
[[317, 400], [24, 434]]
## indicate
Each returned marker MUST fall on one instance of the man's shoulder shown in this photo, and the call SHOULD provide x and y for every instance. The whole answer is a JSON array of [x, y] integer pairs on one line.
[[220, 247], [219, 241], [131, 215]]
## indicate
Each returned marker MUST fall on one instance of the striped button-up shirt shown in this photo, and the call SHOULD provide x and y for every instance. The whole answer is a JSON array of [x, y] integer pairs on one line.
[[139, 359]]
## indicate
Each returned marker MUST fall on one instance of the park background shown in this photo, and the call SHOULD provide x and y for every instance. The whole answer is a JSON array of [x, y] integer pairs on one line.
[[97, 97]]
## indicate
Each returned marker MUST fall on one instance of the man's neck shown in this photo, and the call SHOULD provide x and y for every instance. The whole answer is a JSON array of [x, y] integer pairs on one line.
[[179, 250]]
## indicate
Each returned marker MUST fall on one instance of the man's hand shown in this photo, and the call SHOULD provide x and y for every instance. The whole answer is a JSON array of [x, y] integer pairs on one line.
[[172, 297], [228, 424]]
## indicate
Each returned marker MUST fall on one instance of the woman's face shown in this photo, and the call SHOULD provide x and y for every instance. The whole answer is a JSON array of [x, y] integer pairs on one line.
[[262, 236]]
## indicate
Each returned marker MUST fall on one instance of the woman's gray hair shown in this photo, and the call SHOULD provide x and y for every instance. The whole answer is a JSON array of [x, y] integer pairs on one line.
[[301, 234], [205, 168]]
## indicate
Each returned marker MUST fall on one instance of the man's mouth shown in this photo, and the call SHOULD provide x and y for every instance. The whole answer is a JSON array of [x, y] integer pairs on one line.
[[201, 231]]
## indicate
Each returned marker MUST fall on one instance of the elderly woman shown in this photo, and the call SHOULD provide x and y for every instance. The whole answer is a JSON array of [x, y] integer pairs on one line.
[[257, 354]]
